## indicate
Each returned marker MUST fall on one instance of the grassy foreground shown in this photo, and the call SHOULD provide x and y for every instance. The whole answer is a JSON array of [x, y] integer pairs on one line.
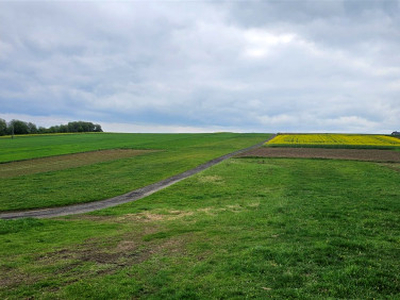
[[179, 152], [256, 228]]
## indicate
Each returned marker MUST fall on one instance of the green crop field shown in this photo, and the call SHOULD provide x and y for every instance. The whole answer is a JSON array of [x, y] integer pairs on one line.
[[27, 147], [246, 228], [102, 180]]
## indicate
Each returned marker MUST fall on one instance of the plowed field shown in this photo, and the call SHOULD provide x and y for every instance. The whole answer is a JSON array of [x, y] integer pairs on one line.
[[350, 154], [62, 162]]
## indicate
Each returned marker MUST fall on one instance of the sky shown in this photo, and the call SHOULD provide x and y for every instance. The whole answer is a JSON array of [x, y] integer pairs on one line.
[[203, 66]]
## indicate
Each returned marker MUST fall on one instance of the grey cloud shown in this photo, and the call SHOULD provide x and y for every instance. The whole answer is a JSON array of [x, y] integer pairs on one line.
[[263, 66]]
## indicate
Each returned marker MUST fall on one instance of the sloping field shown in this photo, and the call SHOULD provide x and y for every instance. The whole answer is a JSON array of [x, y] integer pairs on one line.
[[347, 154], [334, 140], [283, 229], [174, 154], [28, 147], [62, 162]]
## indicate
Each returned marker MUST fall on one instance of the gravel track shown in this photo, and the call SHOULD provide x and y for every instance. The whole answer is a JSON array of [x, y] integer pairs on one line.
[[129, 197]]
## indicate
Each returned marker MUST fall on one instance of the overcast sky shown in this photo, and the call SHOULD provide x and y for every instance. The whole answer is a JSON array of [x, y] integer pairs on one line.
[[200, 66]]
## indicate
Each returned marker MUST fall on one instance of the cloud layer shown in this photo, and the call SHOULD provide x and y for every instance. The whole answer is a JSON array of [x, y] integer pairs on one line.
[[267, 66]]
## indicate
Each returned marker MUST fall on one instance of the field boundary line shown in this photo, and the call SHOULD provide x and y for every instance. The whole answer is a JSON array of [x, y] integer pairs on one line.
[[125, 198]]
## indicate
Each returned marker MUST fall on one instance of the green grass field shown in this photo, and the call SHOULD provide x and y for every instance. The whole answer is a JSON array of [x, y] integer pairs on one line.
[[180, 152], [246, 228], [27, 147]]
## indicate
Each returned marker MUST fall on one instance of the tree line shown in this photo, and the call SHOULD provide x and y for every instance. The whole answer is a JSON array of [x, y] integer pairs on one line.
[[21, 127]]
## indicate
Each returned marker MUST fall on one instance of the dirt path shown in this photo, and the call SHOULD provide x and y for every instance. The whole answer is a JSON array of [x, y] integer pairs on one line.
[[129, 197]]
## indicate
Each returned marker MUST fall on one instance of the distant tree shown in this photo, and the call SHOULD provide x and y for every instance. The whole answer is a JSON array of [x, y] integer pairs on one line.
[[54, 129], [3, 127], [84, 126], [42, 130], [32, 129], [21, 127], [9, 129], [63, 128], [18, 127], [73, 127], [97, 128], [81, 126]]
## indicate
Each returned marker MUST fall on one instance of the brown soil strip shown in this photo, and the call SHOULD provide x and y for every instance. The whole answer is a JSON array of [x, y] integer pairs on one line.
[[129, 197], [62, 162], [347, 154]]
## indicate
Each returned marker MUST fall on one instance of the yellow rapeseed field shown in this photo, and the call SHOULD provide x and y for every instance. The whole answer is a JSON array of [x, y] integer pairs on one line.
[[335, 140]]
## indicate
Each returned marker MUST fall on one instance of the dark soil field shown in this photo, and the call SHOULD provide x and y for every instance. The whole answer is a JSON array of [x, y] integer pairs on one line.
[[348, 154]]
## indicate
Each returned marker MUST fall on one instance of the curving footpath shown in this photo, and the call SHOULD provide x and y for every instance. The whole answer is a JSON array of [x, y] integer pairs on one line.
[[129, 197]]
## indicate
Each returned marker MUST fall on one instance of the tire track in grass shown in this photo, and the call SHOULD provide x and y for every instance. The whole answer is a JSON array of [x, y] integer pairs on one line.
[[62, 162], [128, 197]]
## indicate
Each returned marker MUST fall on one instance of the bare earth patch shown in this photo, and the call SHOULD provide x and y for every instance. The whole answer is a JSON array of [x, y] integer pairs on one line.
[[107, 260], [349, 154], [62, 162], [150, 217]]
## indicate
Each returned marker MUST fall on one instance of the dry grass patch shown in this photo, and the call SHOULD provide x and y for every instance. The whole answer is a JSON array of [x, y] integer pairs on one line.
[[154, 217], [392, 166], [124, 246], [211, 211], [211, 179], [62, 162], [94, 257], [142, 217], [236, 208]]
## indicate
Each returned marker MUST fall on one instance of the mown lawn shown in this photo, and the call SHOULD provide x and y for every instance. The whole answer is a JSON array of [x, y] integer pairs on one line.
[[179, 152], [256, 228]]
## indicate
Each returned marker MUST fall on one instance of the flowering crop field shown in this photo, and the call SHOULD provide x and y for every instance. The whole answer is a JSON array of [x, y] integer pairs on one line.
[[334, 140]]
